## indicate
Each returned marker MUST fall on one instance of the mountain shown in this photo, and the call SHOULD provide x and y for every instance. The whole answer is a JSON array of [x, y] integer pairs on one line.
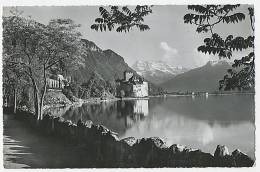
[[205, 78], [157, 72], [106, 63]]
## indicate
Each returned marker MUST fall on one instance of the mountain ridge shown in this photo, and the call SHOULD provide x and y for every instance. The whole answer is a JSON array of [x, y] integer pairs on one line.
[[157, 72], [204, 78], [106, 63]]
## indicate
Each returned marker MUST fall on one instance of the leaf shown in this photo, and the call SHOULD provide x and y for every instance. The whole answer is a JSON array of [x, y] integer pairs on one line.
[[198, 8], [104, 13], [99, 20], [188, 18], [126, 9], [123, 19], [234, 18]]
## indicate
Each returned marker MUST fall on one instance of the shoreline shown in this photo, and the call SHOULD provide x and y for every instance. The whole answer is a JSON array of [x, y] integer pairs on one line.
[[98, 100], [132, 152], [92, 100], [79, 103], [210, 94]]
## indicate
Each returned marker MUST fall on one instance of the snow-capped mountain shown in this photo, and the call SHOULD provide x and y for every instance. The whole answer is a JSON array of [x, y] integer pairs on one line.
[[219, 62], [157, 72]]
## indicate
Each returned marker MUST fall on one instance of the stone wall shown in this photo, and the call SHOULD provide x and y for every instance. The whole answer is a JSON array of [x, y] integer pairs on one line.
[[109, 151], [140, 90]]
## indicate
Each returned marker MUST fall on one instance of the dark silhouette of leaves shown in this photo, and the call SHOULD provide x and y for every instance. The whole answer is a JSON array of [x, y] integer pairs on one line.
[[122, 19], [235, 18], [205, 18]]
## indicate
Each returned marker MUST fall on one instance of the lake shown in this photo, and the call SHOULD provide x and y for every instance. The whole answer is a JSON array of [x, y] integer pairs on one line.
[[197, 122]]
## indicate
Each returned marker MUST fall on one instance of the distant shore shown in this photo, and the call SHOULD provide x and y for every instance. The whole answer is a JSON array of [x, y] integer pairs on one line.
[[206, 93]]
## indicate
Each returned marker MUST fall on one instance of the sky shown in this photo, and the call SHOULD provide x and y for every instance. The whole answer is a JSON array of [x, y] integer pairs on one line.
[[169, 38]]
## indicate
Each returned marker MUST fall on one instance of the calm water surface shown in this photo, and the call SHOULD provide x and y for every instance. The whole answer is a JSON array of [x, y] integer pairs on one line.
[[197, 122]]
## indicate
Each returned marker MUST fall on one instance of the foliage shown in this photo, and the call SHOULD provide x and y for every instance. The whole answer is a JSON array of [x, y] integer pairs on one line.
[[14, 84], [96, 86], [35, 49], [206, 17], [155, 90], [110, 87], [122, 19], [68, 93], [55, 97]]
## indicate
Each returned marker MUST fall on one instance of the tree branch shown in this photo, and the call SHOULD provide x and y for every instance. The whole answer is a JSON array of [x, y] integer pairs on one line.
[[53, 63]]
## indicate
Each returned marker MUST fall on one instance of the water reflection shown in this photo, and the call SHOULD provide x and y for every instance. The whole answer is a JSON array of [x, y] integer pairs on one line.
[[117, 116], [57, 111], [141, 107], [199, 122], [196, 133]]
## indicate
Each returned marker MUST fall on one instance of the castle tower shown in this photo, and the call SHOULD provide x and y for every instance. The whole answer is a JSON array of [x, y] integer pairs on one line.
[[128, 75]]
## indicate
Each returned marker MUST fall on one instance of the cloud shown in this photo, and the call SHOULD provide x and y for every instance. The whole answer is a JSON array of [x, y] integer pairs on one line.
[[189, 58], [200, 59], [167, 48], [169, 52]]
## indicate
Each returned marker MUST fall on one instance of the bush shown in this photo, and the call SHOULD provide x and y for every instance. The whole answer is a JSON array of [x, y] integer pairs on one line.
[[67, 92]]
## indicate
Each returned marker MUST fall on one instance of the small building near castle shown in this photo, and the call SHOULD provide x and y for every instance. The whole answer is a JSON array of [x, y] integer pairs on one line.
[[57, 82], [132, 86]]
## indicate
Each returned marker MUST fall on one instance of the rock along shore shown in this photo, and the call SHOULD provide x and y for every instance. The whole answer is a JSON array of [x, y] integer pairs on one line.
[[110, 151]]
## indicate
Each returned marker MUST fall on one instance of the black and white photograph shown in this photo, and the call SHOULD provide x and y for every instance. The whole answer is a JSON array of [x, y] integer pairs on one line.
[[128, 86]]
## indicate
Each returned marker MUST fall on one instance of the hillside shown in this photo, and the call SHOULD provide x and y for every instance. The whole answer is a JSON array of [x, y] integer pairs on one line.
[[205, 78], [108, 64]]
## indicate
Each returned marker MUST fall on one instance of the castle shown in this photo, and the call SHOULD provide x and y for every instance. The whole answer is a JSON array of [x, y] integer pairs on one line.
[[132, 86]]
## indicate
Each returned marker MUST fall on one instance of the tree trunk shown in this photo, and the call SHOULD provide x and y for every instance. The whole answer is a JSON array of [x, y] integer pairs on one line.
[[36, 102], [42, 97], [14, 100], [36, 95]]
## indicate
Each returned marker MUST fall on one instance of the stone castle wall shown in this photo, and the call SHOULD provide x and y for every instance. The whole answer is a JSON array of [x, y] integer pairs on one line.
[[140, 90]]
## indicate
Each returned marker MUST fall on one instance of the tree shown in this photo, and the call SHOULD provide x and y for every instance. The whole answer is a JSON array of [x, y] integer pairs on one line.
[[122, 19], [35, 49], [96, 85], [206, 17], [14, 81]]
